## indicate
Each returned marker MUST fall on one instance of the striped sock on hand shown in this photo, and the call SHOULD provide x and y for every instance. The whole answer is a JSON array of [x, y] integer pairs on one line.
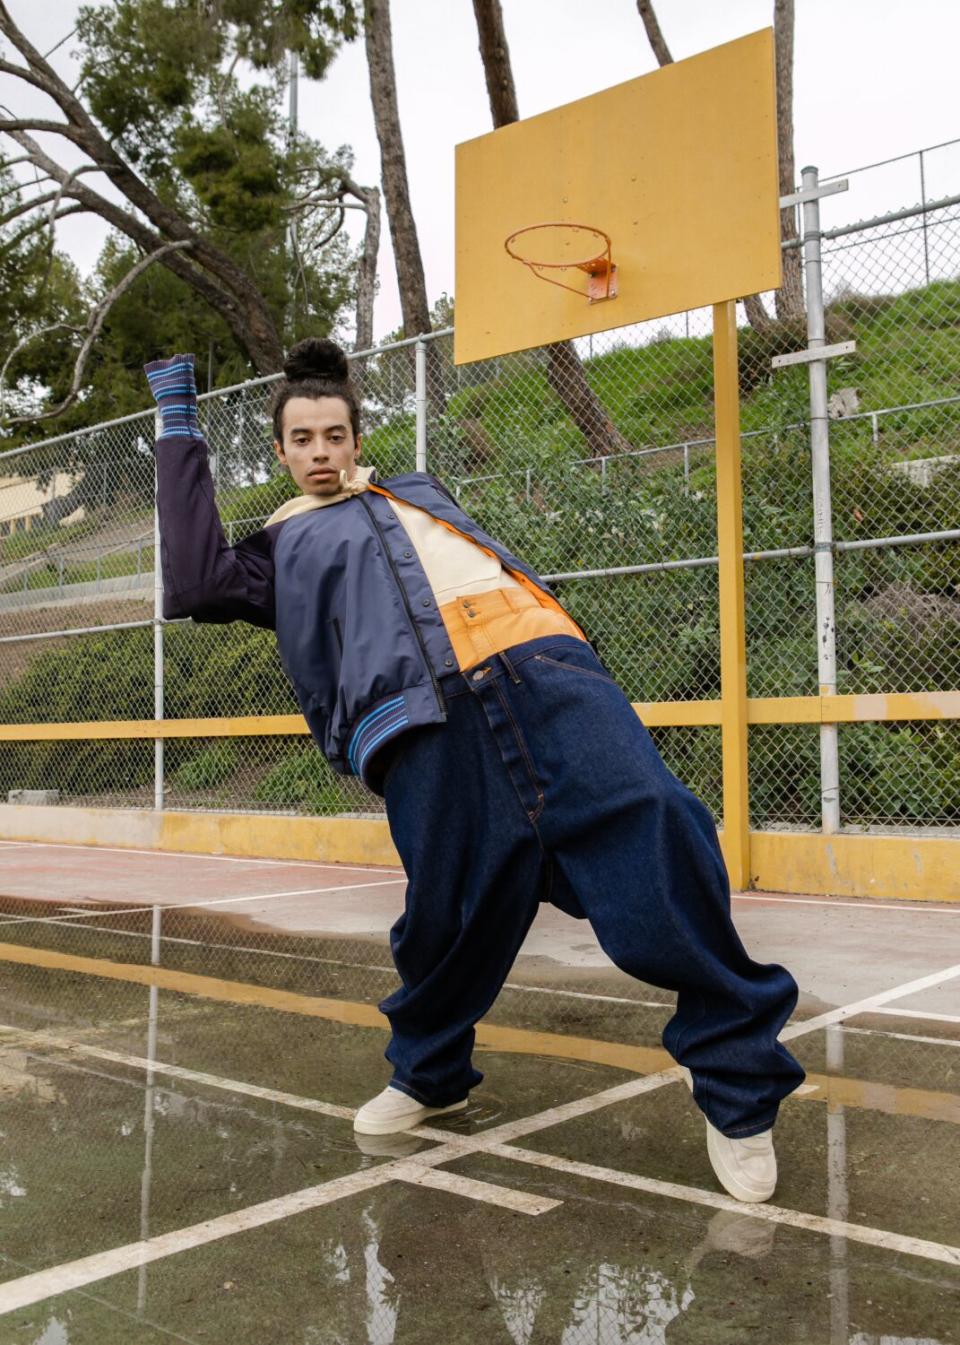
[[175, 391]]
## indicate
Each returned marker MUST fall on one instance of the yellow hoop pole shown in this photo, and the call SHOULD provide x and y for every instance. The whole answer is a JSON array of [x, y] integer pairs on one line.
[[733, 653]]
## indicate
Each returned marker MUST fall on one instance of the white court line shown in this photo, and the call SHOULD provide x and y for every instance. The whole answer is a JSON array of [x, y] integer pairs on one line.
[[863, 1005], [553, 1116], [892, 905], [928, 908], [777, 1214], [196, 905], [920, 1013], [50, 1040], [30, 1289], [141, 1319], [901, 1036], [221, 859], [521, 1202], [510, 1130], [582, 994], [382, 967]]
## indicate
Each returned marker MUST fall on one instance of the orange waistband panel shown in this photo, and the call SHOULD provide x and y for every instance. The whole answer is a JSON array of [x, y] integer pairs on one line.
[[484, 624]]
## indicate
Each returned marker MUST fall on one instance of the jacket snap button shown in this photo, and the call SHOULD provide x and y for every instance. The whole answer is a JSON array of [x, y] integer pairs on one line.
[[426, 602], [408, 554], [448, 662], [480, 674]]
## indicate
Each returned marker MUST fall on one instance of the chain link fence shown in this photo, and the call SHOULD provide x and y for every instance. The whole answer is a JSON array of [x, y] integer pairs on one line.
[[594, 460]]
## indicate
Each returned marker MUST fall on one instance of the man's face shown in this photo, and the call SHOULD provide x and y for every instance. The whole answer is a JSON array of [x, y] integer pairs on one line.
[[318, 443]]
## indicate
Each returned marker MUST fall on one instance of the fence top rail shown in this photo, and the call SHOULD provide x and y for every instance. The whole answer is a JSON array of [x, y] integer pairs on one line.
[[897, 158], [705, 443], [213, 394]]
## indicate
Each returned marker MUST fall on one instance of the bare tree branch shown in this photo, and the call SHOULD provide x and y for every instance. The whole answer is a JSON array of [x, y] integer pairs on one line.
[[228, 287], [35, 226], [58, 45], [230, 307], [26, 74], [654, 35], [16, 186], [331, 233], [21, 345], [25, 207], [68, 182], [367, 271], [47, 127], [95, 325]]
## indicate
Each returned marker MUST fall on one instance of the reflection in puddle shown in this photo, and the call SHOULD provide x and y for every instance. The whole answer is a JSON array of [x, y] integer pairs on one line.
[[396, 1269]]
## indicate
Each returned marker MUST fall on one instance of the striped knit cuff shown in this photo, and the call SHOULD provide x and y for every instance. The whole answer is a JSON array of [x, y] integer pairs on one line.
[[174, 388]]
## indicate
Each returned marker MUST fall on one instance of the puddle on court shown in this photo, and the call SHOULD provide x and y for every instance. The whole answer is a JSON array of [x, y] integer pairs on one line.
[[81, 1166], [92, 1158], [405, 1266]]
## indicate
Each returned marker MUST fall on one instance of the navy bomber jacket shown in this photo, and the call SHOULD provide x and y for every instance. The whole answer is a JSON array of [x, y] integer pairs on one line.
[[358, 628]]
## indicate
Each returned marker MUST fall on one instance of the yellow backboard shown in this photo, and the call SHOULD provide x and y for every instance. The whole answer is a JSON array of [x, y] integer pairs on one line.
[[679, 167]]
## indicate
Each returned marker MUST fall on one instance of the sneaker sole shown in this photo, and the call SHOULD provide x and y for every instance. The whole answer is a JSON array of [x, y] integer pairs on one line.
[[409, 1121]]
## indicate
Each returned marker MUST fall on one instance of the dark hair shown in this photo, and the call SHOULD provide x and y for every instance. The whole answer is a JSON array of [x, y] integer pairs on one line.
[[315, 368]]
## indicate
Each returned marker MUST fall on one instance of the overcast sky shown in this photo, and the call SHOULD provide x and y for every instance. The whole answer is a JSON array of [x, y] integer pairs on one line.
[[873, 79]]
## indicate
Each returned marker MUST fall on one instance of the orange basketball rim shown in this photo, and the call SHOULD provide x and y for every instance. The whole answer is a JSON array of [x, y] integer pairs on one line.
[[560, 246]]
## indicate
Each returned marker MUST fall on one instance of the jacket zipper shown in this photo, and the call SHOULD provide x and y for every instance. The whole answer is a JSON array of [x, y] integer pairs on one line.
[[406, 604]]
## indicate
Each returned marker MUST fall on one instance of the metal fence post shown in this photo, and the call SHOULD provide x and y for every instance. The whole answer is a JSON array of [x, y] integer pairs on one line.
[[822, 512], [923, 202], [421, 401], [157, 640]]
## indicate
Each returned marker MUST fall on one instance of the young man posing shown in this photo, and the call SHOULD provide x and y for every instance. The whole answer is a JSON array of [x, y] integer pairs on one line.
[[439, 668]]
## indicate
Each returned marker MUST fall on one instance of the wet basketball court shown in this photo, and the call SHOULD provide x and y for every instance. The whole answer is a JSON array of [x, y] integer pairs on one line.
[[184, 1039]]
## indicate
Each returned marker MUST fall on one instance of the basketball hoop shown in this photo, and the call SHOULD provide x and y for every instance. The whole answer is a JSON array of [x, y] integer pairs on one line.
[[598, 262]]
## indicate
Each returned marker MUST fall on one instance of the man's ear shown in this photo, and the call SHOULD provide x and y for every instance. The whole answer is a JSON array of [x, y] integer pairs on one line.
[[358, 447], [278, 449]]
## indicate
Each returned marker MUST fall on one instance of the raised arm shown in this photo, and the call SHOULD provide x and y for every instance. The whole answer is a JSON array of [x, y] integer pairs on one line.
[[203, 577]]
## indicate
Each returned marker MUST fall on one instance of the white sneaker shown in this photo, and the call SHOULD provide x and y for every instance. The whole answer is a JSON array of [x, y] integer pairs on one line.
[[745, 1168], [393, 1110]]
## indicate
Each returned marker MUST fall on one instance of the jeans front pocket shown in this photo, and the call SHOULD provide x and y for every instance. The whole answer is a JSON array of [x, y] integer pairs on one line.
[[569, 664]]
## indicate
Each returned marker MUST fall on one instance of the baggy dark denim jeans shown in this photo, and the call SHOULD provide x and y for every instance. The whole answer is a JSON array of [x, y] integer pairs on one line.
[[544, 786]]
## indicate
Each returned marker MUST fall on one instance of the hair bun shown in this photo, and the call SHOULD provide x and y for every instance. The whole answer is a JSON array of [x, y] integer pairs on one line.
[[316, 358]]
